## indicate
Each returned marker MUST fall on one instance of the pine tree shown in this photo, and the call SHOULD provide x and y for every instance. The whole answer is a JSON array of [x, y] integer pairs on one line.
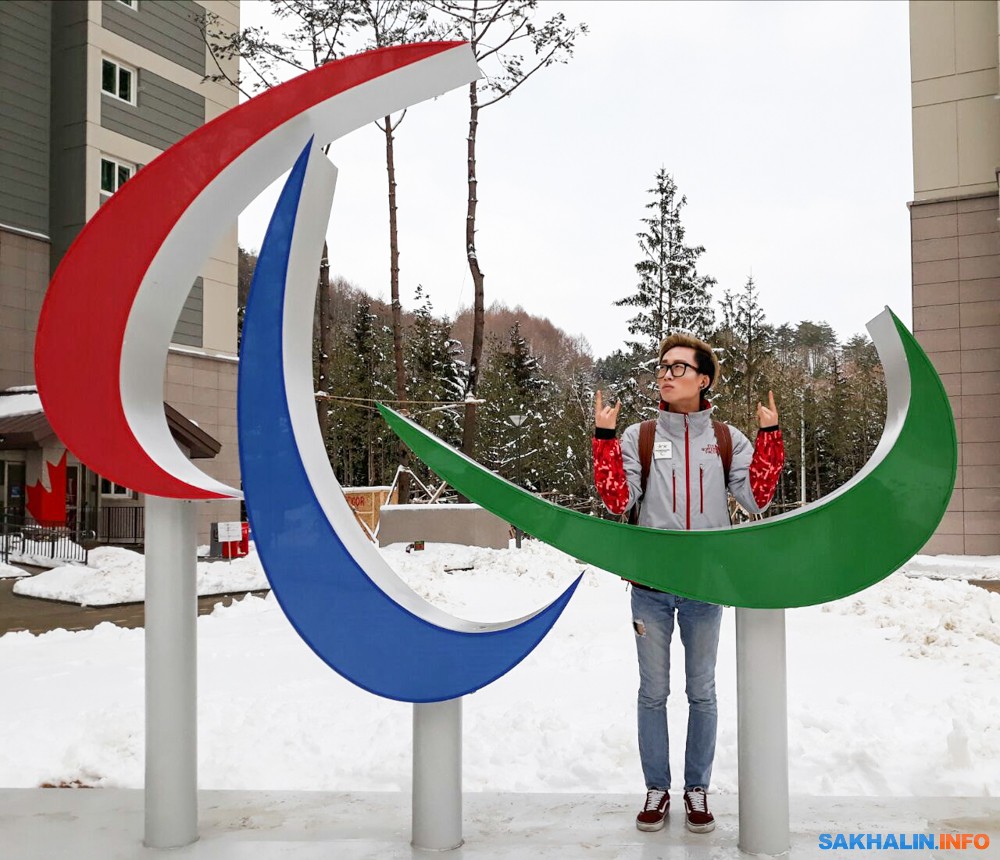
[[867, 393], [502, 399], [671, 295], [524, 368], [434, 371], [744, 346], [513, 384], [370, 450]]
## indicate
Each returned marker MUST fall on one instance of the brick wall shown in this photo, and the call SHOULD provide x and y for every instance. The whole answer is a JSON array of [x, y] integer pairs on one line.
[[956, 318]]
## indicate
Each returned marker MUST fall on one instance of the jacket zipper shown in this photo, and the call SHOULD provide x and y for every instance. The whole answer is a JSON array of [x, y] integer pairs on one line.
[[673, 475], [701, 489], [687, 473]]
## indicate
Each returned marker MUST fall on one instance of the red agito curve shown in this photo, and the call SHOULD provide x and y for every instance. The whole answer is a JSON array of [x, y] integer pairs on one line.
[[83, 320]]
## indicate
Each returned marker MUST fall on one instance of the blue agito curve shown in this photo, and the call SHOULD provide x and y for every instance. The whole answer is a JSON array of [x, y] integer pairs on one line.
[[331, 582]]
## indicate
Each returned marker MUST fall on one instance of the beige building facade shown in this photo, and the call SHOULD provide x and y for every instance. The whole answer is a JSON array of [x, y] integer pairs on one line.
[[955, 234], [90, 91]]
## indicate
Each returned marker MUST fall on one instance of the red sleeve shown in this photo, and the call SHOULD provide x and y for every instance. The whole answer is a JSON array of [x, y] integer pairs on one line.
[[765, 468], [609, 475]]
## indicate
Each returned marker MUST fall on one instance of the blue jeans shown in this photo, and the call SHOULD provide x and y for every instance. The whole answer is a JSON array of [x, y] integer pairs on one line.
[[653, 623]]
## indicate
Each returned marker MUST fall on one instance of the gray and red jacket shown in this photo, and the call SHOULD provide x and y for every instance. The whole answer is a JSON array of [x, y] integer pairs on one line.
[[686, 488]]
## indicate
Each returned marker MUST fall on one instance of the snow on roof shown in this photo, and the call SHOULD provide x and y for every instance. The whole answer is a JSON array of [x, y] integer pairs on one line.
[[23, 400]]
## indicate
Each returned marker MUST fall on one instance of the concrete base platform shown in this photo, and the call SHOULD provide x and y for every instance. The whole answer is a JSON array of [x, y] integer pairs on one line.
[[96, 824]]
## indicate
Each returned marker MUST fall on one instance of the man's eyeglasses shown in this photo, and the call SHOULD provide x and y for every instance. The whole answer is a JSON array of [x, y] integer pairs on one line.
[[677, 369]]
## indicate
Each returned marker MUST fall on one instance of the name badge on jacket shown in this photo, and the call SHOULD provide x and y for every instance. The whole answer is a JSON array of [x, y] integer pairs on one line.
[[663, 450]]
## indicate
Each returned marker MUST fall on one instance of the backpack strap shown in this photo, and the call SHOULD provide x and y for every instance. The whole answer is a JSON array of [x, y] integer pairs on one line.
[[724, 439], [647, 438]]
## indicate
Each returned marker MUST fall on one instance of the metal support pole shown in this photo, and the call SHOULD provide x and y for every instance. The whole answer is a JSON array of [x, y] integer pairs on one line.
[[762, 730], [171, 674], [437, 775]]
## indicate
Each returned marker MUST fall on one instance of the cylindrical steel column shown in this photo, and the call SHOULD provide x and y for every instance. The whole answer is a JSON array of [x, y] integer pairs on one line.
[[437, 775], [762, 716], [171, 674]]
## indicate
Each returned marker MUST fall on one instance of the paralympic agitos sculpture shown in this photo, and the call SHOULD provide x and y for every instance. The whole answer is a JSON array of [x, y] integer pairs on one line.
[[111, 309], [835, 546]]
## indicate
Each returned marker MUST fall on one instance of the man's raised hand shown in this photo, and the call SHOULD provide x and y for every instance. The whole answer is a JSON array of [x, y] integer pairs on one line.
[[606, 417], [767, 416]]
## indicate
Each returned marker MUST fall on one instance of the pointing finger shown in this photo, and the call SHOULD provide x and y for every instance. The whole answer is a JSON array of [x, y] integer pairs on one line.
[[598, 401]]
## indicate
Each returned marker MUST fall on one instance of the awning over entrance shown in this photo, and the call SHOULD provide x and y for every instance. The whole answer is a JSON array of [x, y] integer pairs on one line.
[[23, 425]]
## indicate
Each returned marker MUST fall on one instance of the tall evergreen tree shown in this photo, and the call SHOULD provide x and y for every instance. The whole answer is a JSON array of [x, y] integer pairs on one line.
[[370, 373], [671, 296], [866, 383], [513, 384], [434, 373], [744, 344], [434, 370], [522, 364]]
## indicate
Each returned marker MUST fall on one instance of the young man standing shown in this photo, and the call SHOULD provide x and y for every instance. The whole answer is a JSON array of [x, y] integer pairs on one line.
[[682, 485]]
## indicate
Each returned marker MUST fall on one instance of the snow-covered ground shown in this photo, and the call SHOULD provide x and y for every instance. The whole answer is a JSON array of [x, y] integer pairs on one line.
[[116, 575], [9, 571], [894, 691], [955, 566]]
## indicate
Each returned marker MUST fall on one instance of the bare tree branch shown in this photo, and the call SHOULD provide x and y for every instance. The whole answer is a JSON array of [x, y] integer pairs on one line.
[[490, 22], [513, 36], [541, 64]]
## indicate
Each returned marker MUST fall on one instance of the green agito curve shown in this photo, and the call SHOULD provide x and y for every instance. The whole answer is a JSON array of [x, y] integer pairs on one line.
[[831, 548]]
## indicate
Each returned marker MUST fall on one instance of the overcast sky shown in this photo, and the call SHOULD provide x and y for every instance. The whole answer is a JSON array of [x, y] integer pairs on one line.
[[786, 125]]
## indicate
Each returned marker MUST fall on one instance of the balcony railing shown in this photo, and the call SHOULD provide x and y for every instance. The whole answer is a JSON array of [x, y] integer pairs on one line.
[[29, 542]]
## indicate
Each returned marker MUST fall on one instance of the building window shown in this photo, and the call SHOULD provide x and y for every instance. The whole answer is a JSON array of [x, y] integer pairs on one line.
[[111, 490], [118, 80], [132, 4], [114, 174]]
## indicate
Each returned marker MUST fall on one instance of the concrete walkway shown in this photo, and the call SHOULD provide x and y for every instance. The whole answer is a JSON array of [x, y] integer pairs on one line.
[[39, 616], [106, 824]]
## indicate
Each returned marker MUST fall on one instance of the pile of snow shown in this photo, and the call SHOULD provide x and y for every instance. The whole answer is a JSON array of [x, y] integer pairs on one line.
[[116, 575], [8, 571], [954, 566], [895, 691]]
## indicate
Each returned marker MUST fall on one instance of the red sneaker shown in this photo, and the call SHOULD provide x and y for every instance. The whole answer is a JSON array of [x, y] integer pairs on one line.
[[699, 819], [654, 813]]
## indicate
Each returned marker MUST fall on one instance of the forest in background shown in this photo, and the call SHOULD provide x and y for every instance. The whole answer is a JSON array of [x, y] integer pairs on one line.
[[512, 389], [830, 394]]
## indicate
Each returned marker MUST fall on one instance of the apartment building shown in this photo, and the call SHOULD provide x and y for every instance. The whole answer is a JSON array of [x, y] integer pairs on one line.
[[955, 77], [90, 91]]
